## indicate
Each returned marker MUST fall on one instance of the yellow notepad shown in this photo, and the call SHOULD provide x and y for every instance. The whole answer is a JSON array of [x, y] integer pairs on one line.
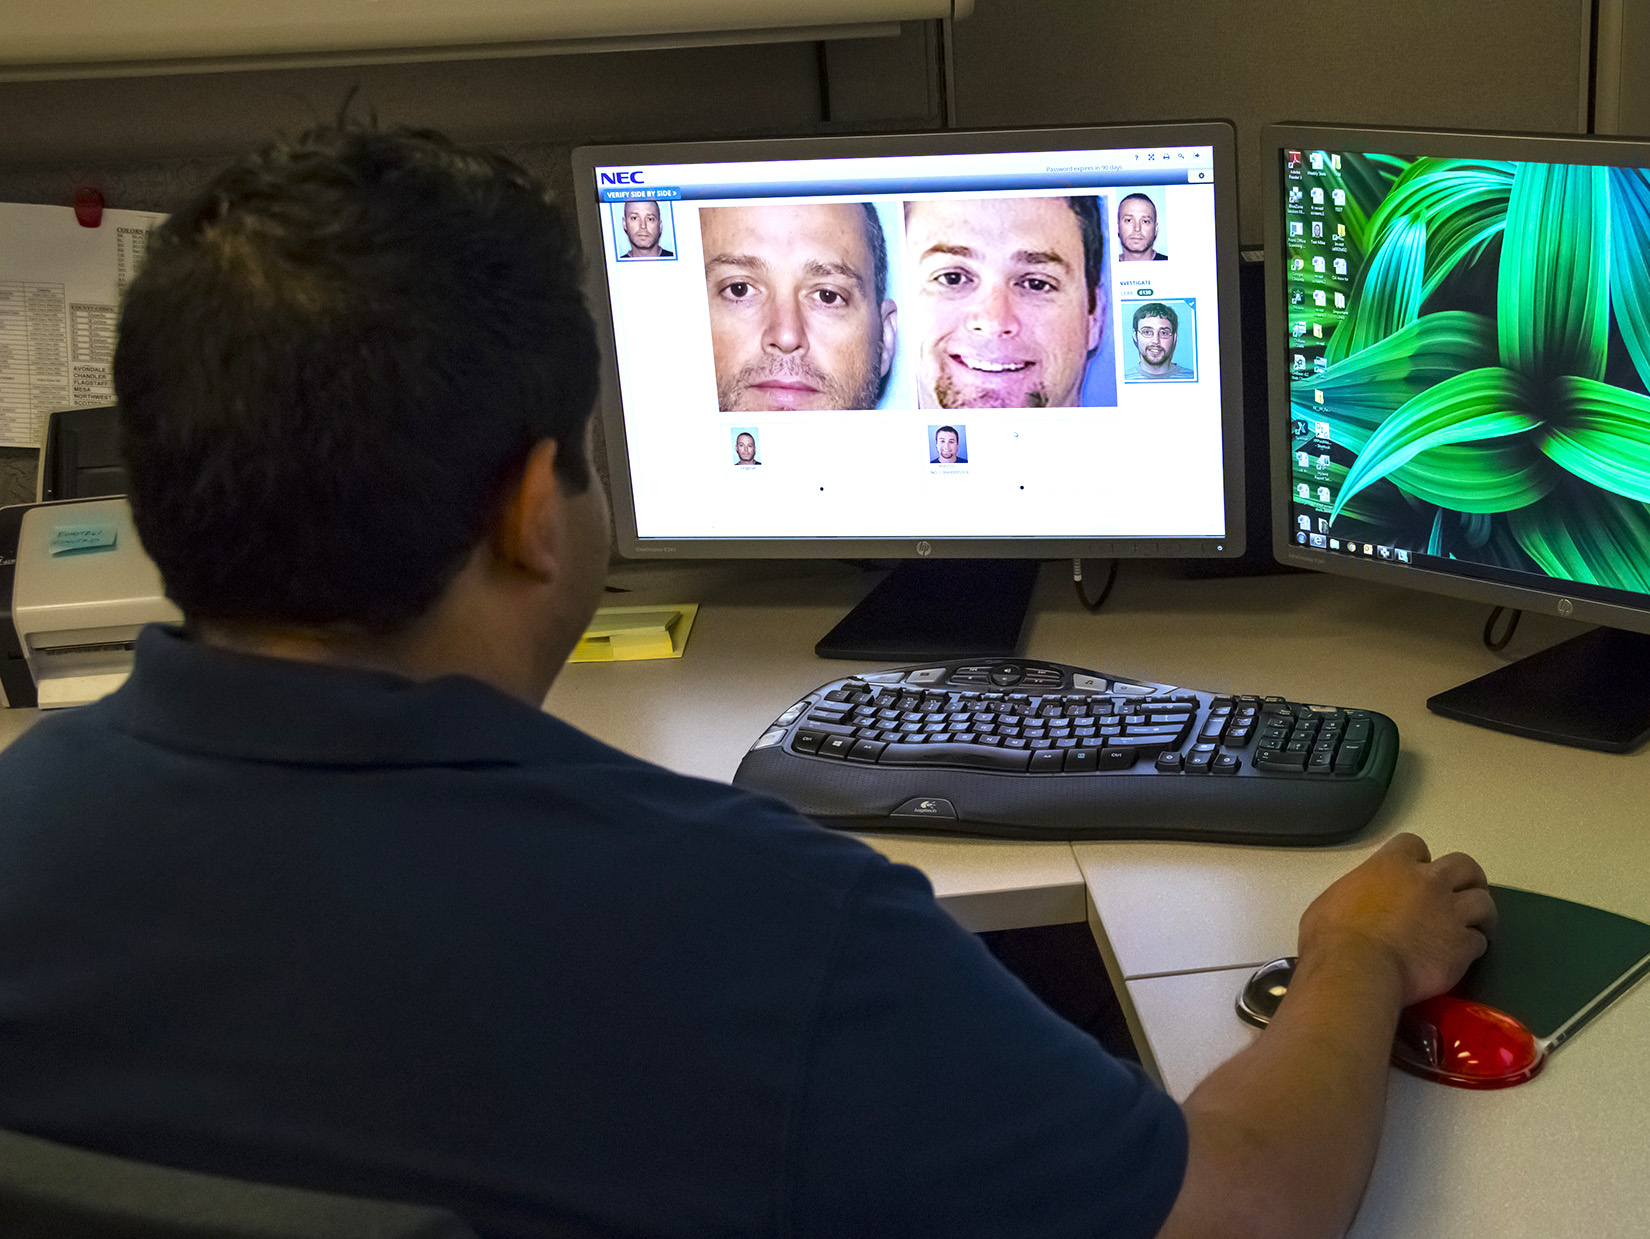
[[626, 634]]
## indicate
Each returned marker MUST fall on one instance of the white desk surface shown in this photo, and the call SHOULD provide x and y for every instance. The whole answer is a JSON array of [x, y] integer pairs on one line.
[[1182, 923]]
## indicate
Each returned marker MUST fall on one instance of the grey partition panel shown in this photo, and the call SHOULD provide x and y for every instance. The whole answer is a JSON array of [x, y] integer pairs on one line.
[[1478, 64]]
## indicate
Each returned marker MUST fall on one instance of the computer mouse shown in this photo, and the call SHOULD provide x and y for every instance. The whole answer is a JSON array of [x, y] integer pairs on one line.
[[1450, 1039]]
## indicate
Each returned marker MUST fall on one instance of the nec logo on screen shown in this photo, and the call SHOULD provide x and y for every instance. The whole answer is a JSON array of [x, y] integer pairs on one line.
[[621, 178]]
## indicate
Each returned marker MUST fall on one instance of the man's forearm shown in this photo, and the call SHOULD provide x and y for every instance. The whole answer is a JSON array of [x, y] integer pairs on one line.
[[1283, 1135]]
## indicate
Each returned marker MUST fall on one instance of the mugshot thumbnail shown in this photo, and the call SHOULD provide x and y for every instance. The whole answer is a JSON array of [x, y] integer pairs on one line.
[[648, 229], [948, 445], [1008, 305], [1138, 217], [800, 316], [1163, 330], [746, 448]]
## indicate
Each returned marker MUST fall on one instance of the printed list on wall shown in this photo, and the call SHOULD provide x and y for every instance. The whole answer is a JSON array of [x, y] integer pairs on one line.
[[60, 289]]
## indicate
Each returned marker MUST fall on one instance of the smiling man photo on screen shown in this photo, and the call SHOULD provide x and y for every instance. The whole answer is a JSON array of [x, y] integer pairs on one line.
[[1008, 305]]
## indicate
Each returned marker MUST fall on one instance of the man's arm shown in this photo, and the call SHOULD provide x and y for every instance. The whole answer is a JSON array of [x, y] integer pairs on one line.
[[1283, 1135]]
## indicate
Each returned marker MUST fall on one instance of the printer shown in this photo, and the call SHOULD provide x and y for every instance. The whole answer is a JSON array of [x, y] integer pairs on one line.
[[75, 586]]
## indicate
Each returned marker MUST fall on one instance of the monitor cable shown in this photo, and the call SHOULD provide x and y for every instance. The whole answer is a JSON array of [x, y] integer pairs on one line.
[[1496, 644], [1093, 607]]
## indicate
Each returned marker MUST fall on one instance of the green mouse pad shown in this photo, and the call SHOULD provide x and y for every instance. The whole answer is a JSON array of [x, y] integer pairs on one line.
[[1553, 964]]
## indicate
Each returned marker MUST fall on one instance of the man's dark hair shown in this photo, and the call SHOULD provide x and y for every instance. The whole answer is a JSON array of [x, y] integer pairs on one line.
[[1093, 231], [879, 251], [332, 365], [941, 430], [1156, 309], [1137, 197]]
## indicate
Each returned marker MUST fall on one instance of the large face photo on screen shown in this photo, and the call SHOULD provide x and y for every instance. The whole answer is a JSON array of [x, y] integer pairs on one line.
[[1008, 307], [799, 312], [1470, 362]]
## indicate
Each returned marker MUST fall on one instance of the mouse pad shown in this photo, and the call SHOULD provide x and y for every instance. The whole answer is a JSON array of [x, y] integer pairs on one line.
[[1553, 964]]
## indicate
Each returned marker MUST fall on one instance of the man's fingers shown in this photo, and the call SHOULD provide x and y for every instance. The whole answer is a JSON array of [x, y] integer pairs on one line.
[[1477, 909], [1461, 870], [1408, 845]]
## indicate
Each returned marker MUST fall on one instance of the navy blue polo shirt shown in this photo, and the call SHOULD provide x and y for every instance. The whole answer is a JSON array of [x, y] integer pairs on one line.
[[420, 941]]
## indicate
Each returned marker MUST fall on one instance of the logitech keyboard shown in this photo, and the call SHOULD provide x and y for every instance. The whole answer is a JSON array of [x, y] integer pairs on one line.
[[1039, 750]]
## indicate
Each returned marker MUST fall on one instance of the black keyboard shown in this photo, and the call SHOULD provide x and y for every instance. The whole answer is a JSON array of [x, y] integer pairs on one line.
[[1038, 750]]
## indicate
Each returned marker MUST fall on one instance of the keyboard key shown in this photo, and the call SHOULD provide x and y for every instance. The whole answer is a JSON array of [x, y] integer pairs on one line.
[[1168, 761], [1271, 759], [808, 740], [1116, 759], [866, 750], [1048, 762], [837, 746], [1081, 761], [978, 757]]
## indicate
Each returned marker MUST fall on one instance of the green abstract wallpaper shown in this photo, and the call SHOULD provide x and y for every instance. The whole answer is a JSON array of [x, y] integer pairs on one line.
[[1474, 336]]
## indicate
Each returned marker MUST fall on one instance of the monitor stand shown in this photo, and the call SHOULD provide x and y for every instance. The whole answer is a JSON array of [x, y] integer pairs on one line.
[[938, 608], [1591, 692]]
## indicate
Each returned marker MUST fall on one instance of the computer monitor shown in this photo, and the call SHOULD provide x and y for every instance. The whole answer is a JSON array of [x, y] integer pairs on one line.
[[962, 350], [1460, 353]]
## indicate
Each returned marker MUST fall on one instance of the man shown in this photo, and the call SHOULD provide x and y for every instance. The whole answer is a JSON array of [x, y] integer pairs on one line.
[[642, 225], [320, 896], [799, 311], [1009, 304], [744, 447], [1156, 331], [946, 440], [1137, 230]]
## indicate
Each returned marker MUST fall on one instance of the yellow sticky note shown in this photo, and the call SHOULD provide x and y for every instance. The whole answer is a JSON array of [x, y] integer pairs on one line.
[[627, 634]]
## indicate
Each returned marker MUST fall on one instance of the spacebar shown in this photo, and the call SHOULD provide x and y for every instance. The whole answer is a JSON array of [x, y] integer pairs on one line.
[[980, 756]]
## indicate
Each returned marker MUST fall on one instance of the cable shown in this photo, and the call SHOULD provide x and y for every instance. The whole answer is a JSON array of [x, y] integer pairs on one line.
[[1105, 591], [1496, 645]]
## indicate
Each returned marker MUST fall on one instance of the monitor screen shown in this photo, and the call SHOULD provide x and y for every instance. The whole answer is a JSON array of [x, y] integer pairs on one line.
[[1014, 344], [1461, 360]]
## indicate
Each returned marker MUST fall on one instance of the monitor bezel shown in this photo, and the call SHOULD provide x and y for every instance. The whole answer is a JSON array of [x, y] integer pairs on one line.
[[1457, 143], [1217, 134]]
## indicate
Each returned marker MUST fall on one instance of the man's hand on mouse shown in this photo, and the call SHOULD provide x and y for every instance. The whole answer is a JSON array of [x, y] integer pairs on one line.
[[1426, 919]]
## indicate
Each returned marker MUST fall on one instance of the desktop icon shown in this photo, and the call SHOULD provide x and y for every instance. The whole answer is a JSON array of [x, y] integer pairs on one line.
[[1320, 364], [1403, 556], [1317, 230], [1316, 160], [1323, 494], [1305, 522], [1293, 158], [1297, 296], [1318, 264], [1301, 538], [1338, 197], [1318, 298], [1340, 230], [1340, 266], [1323, 460], [1369, 549], [1335, 162], [1302, 459], [1319, 541], [1317, 392], [1297, 264], [1295, 195], [1320, 429], [1300, 363], [1296, 228], [1334, 544], [1340, 301], [1323, 524], [1317, 196], [1304, 491], [1385, 552], [1317, 330], [1298, 330]]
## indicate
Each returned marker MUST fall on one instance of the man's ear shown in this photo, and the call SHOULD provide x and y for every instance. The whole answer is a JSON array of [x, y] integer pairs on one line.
[[528, 535]]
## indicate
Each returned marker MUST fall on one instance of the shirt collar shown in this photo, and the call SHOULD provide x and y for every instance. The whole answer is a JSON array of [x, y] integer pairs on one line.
[[186, 695]]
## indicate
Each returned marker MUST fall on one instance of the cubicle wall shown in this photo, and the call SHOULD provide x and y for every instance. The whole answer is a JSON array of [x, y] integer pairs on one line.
[[1522, 64]]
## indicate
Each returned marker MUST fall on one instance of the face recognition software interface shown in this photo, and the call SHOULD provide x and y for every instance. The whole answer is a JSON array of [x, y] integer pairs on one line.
[[965, 345], [1469, 360]]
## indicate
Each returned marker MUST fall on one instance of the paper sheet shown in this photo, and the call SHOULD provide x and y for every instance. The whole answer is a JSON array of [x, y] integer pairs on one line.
[[60, 286]]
